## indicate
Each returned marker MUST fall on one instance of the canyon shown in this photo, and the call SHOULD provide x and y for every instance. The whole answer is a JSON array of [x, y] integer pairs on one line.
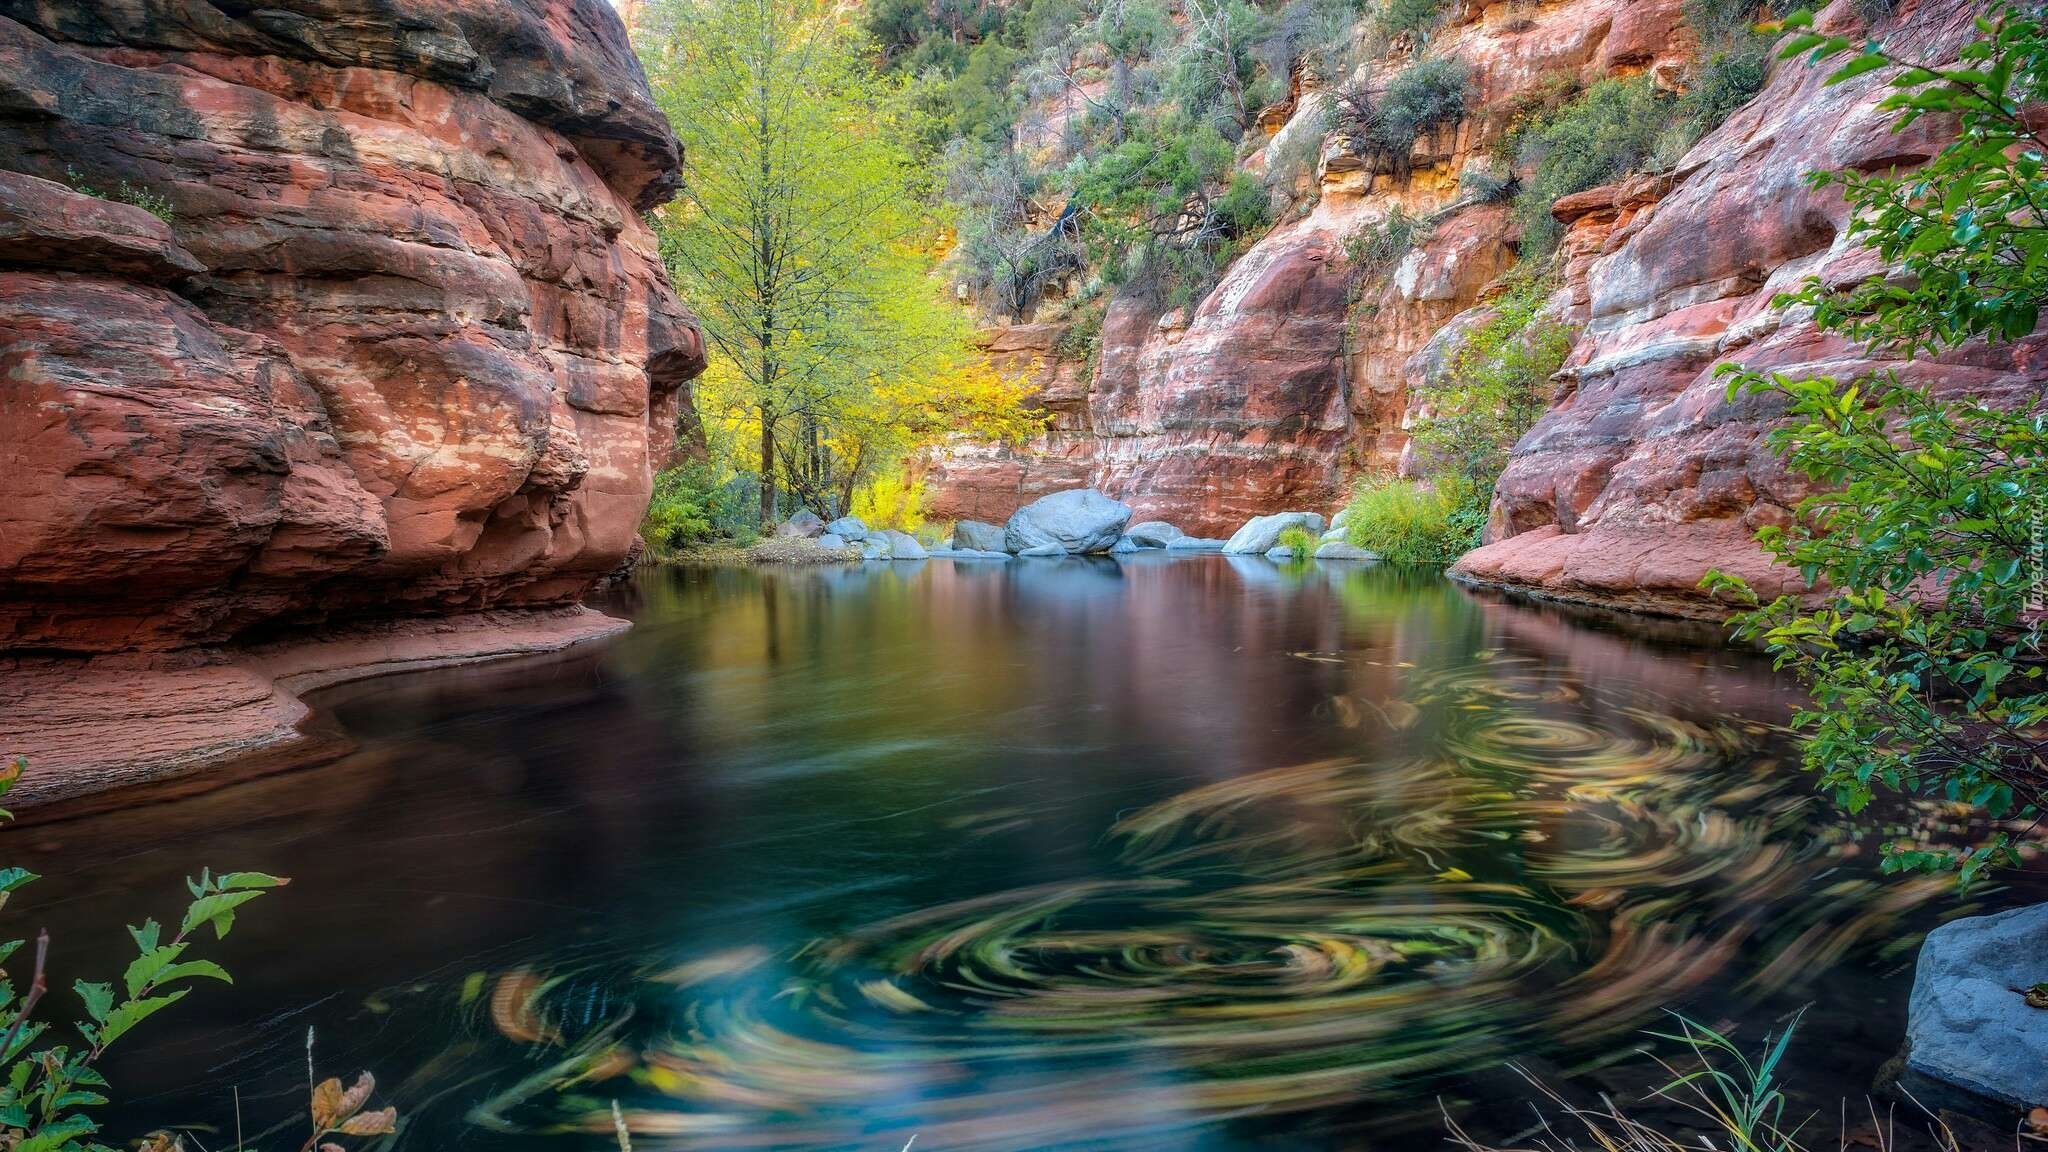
[[1294, 375], [328, 327]]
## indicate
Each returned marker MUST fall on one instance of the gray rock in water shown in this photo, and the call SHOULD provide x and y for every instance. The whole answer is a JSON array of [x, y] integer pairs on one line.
[[1341, 520], [1261, 533], [804, 524], [1124, 547], [848, 528], [1969, 1024], [1044, 551], [975, 536], [902, 545], [875, 547], [831, 540], [1342, 550], [979, 554], [1078, 521], [1153, 533], [1194, 544], [1280, 555]]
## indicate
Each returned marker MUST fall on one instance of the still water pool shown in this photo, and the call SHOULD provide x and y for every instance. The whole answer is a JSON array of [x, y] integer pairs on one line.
[[1189, 853]]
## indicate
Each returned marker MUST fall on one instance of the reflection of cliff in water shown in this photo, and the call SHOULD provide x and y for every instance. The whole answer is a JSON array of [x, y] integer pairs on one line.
[[1161, 853]]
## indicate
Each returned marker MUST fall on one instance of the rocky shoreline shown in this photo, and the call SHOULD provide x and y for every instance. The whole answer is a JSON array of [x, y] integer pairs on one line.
[[1074, 522], [91, 725]]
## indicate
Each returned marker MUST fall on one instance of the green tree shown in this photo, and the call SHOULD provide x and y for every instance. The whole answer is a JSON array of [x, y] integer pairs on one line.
[[1922, 644], [801, 234]]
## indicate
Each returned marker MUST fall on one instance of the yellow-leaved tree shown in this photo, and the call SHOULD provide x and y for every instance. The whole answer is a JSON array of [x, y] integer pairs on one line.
[[804, 237]]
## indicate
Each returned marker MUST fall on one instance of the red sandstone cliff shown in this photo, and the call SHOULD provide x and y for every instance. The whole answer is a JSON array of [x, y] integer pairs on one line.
[[1643, 476], [402, 351], [1286, 381], [403, 347]]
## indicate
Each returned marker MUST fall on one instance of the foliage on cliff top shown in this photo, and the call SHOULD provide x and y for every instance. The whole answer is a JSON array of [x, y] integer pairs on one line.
[[1609, 131], [1117, 124], [1926, 542]]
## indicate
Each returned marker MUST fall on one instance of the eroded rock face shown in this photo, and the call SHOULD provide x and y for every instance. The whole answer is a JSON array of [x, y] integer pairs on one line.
[[1644, 475], [1292, 374], [403, 346]]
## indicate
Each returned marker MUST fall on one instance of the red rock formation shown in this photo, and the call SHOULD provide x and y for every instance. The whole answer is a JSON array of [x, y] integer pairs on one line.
[[1280, 385], [1644, 475], [404, 346]]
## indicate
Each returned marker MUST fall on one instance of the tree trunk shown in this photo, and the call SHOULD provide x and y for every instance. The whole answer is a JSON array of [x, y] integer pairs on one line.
[[767, 470]]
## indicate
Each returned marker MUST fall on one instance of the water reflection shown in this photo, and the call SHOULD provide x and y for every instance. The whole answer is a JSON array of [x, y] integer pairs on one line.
[[1185, 853]]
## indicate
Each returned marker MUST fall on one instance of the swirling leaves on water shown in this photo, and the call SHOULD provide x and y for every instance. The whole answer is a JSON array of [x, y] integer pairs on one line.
[[1512, 869]]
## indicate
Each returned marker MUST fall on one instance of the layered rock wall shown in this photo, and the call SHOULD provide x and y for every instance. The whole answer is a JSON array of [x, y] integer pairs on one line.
[[1291, 375], [1644, 474], [1286, 382], [323, 310]]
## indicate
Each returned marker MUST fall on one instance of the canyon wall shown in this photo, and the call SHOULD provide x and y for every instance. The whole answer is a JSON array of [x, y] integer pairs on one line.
[[323, 310], [1291, 374], [1287, 381], [1644, 475], [332, 343]]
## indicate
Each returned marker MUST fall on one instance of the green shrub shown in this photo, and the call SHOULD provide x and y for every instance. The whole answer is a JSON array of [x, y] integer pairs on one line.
[[1411, 16], [1609, 131], [1924, 548], [51, 1089], [1414, 523], [1426, 95], [1244, 207], [1483, 185], [1721, 24], [154, 203], [1493, 388], [690, 506], [1378, 247], [1302, 542]]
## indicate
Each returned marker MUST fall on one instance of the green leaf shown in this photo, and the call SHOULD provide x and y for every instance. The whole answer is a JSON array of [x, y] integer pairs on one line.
[[146, 936], [58, 1133], [13, 878], [217, 910], [1868, 62], [234, 881], [194, 969], [134, 1012], [148, 967], [99, 999]]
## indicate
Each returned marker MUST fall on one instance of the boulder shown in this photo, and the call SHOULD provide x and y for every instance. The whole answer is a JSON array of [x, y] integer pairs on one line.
[[1261, 533], [983, 554], [1194, 544], [976, 536], [1078, 522], [1153, 533], [848, 528], [875, 547], [1342, 550], [1044, 551], [1341, 520], [805, 525], [1969, 1024], [1124, 547], [902, 545], [1280, 555], [831, 540]]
